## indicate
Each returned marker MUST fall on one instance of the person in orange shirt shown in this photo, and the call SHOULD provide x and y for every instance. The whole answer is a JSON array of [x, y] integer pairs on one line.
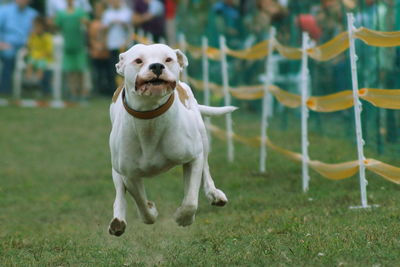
[[102, 69], [40, 52]]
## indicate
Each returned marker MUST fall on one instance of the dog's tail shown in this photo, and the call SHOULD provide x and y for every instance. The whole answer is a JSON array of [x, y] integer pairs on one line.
[[215, 111]]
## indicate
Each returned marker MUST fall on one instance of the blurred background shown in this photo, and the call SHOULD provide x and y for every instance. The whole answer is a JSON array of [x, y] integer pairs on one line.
[[94, 32]]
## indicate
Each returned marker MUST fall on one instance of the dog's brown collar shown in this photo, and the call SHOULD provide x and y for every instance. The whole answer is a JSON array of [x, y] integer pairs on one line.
[[151, 114]]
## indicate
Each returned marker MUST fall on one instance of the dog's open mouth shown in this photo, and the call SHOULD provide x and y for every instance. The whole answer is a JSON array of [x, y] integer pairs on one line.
[[155, 86]]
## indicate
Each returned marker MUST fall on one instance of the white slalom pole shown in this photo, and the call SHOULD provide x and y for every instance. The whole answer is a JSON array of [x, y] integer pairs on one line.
[[162, 40], [150, 37], [140, 34], [304, 111], [206, 88], [57, 75], [18, 74], [357, 112], [204, 42], [267, 83], [227, 97], [182, 47]]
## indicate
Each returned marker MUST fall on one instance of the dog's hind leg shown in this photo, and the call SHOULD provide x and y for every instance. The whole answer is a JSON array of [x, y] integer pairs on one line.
[[192, 172], [118, 223], [147, 209]]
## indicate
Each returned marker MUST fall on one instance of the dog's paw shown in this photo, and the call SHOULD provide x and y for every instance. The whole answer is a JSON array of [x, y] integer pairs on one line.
[[217, 197], [184, 215], [151, 214], [117, 227]]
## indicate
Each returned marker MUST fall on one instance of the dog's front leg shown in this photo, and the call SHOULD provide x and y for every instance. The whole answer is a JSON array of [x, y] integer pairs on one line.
[[147, 209], [192, 173], [216, 196], [118, 223]]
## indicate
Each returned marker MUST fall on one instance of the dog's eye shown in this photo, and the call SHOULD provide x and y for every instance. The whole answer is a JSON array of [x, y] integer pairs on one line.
[[138, 61], [168, 59]]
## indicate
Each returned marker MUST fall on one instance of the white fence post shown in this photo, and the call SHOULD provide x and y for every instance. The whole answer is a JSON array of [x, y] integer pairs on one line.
[[130, 38], [304, 111], [140, 33], [150, 37], [182, 47], [18, 73], [57, 70], [206, 88], [357, 112], [227, 97], [265, 101], [162, 40]]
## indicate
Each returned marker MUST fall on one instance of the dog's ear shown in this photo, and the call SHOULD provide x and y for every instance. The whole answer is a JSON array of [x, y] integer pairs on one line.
[[120, 66], [182, 59]]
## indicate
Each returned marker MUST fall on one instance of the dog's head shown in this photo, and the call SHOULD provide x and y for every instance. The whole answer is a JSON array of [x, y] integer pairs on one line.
[[151, 70]]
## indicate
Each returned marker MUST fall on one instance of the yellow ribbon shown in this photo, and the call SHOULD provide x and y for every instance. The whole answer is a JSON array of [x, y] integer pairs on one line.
[[257, 51], [330, 49], [377, 38], [337, 171], [324, 52], [285, 98], [383, 98], [288, 52], [387, 171], [333, 102]]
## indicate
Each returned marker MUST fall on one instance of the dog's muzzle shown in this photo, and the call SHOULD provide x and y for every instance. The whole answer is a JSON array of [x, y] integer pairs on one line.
[[154, 86]]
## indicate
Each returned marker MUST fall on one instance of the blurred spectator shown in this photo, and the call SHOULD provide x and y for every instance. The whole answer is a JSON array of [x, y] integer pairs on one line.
[[54, 6], [149, 15], [259, 21], [308, 23], [15, 25], [331, 19], [277, 12], [4, 2], [71, 24], [100, 57], [38, 5], [280, 20], [170, 21], [40, 52], [267, 12], [247, 6], [117, 20], [224, 19], [397, 15], [335, 76]]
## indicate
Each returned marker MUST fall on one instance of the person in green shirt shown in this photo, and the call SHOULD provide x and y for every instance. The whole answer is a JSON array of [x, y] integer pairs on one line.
[[71, 23]]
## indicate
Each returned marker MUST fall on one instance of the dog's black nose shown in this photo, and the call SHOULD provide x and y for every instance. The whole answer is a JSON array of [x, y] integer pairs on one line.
[[157, 68]]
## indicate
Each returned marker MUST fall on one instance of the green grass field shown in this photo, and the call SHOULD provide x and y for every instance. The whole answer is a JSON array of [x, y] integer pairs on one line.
[[56, 196]]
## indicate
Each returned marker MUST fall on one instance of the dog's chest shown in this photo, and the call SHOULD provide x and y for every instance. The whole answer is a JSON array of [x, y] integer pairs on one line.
[[149, 148]]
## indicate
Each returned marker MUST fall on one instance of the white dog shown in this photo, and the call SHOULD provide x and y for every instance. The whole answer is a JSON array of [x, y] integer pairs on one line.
[[156, 125]]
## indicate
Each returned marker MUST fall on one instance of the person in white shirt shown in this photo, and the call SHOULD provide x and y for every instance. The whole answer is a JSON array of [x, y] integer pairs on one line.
[[117, 19], [149, 15], [54, 6]]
